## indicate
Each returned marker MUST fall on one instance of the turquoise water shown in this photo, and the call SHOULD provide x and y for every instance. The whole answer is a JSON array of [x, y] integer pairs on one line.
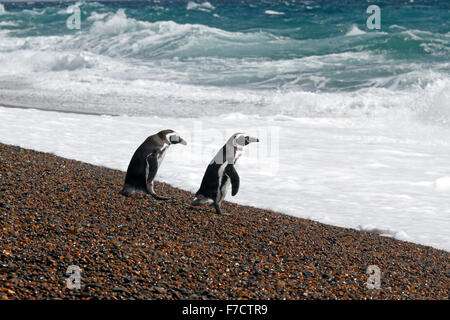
[[283, 47]]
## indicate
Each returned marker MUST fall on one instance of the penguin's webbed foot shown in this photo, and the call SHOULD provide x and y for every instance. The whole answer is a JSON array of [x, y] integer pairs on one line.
[[199, 201], [219, 210], [127, 191], [151, 191]]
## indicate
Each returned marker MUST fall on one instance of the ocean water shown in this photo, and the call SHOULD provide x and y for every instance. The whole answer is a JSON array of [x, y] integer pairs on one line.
[[354, 122]]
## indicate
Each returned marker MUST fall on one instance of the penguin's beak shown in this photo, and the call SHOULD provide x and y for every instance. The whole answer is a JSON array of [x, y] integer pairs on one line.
[[249, 140], [183, 142], [175, 139]]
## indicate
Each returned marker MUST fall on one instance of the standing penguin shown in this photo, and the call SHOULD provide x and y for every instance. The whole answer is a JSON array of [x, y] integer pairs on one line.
[[145, 163], [221, 172]]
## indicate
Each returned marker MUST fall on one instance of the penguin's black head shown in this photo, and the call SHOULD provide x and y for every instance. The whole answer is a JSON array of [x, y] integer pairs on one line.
[[175, 139], [171, 136], [241, 140]]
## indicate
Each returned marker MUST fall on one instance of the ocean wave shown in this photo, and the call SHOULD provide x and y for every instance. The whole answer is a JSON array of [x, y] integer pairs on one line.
[[101, 86], [256, 69], [71, 62], [118, 35], [273, 12], [30, 61], [8, 24], [433, 104], [196, 54], [205, 6], [94, 16], [118, 23], [34, 11], [355, 31]]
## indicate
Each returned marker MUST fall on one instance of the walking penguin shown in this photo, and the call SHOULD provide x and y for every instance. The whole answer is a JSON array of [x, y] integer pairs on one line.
[[221, 172], [145, 163]]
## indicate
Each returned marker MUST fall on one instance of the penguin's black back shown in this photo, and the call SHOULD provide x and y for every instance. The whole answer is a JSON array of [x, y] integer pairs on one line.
[[136, 175], [210, 181]]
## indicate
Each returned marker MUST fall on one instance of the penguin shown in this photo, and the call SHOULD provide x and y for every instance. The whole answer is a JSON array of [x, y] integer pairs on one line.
[[221, 172], [145, 163]]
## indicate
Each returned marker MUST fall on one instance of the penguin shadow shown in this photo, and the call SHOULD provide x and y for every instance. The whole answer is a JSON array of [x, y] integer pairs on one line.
[[169, 200]]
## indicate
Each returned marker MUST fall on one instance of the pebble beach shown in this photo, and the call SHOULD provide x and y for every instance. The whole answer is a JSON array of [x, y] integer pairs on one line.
[[57, 212]]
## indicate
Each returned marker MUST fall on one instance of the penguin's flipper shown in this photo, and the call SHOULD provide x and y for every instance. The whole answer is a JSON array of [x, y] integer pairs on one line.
[[150, 172], [151, 167], [231, 172]]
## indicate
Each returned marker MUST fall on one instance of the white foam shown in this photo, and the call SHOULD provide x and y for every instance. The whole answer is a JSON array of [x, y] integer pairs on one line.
[[116, 24], [205, 6], [442, 184], [387, 232], [355, 31], [33, 12], [8, 24], [96, 16], [273, 12], [395, 26]]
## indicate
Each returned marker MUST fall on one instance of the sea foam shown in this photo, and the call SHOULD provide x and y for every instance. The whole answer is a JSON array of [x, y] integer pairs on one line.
[[205, 6], [355, 31]]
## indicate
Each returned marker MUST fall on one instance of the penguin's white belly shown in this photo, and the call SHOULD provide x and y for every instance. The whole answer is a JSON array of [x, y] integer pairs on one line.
[[161, 157]]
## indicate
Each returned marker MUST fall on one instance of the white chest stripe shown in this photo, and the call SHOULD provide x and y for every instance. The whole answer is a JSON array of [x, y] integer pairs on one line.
[[220, 173]]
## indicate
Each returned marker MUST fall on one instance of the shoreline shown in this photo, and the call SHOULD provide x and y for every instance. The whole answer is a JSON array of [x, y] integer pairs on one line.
[[58, 212], [94, 139], [10, 106]]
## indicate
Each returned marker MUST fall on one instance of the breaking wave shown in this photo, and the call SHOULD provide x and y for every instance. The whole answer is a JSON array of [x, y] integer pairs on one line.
[[119, 62]]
